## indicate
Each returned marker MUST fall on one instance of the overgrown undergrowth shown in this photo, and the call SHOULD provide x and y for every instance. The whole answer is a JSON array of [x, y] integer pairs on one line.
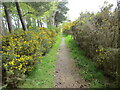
[[87, 67], [42, 76]]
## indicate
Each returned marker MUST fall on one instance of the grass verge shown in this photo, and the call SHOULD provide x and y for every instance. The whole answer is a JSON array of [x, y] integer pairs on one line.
[[87, 67], [42, 76]]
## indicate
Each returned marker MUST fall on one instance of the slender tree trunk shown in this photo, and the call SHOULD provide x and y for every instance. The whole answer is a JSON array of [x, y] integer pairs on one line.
[[20, 15], [8, 18], [15, 20], [1, 28], [28, 22], [18, 24], [34, 22], [118, 45], [3, 25], [38, 23], [41, 23], [56, 24]]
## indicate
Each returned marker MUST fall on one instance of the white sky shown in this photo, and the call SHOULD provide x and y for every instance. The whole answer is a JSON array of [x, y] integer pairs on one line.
[[76, 6]]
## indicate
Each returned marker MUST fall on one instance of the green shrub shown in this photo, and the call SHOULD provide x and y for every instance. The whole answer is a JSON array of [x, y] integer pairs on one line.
[[22, 50], [96, 34]]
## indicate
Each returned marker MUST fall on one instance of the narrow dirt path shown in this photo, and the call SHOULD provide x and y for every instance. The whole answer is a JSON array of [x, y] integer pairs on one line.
[[67, 74]]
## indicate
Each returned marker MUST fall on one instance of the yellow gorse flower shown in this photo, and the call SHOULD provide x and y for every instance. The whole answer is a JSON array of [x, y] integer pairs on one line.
[[19, 67], [26, 47], [12, 62]]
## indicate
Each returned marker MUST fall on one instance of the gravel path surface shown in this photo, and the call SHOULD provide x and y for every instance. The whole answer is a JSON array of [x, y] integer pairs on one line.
[[67, 74]]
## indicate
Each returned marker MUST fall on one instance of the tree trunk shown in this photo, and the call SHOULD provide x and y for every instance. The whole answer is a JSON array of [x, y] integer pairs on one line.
[[3, 25], [6, 25], [8, 18], [1, 28], [28, 19], [38, 23], [18, 24], [20, 15], [41, 23], [56, 24], [118, 45], [33, 23]]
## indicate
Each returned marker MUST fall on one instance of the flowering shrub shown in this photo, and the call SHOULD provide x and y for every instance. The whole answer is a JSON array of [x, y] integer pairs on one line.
[[22, 50], [97, 35], [102, 54], [47, 36], [67, 27]]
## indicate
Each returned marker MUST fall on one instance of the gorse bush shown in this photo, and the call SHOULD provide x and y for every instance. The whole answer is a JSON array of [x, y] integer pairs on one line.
[[97, 36], [22, 50], [67, 27]]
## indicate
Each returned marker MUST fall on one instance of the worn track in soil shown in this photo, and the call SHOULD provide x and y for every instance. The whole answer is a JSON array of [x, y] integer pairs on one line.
[[67, 74]]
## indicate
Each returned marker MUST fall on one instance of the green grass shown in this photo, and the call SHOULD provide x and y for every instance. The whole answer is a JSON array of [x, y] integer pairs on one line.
[[43, 75], [87, 67]]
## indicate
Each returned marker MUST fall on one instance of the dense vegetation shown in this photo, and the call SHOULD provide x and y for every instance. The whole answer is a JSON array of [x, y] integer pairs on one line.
[[88, 68], [28, 32], [42, 75], [22, 51], [97, 34], [30, 38]]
